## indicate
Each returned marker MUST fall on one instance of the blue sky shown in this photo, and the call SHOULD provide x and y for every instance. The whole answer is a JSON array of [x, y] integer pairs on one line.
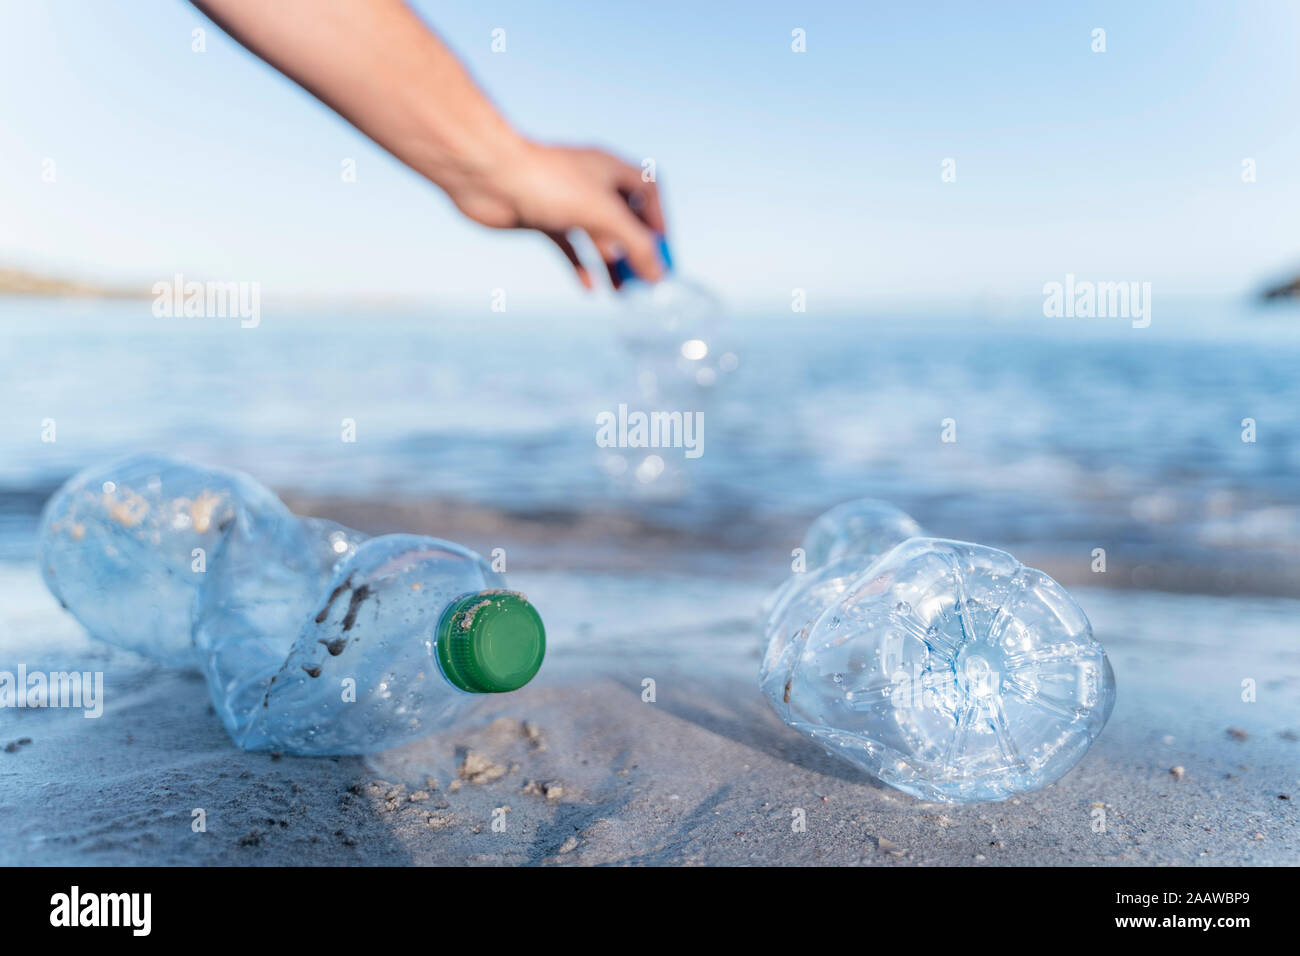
[[818, 170]]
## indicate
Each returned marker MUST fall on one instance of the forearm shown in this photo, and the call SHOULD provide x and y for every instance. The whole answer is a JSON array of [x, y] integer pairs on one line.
[[382, 69], [385, 72]]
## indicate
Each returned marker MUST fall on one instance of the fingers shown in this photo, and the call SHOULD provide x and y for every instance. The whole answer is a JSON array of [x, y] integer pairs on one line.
[[609, 200], [561, 240], [618, 230], [610, 251], [641, 195]]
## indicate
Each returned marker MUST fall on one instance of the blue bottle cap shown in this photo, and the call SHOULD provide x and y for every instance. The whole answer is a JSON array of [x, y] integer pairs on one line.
[[623, 268]]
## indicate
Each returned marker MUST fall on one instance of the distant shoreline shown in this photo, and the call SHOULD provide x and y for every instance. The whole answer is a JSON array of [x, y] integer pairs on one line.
[[1284, 291], [21, 282], [17, 283]]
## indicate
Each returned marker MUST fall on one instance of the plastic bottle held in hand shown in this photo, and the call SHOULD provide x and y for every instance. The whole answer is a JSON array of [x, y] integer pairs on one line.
[[314, 638], [946, 669], [670, 328]]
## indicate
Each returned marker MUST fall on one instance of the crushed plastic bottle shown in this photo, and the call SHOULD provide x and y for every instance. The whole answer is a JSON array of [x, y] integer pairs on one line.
[[314, 638], [944, 668], [836, 547]]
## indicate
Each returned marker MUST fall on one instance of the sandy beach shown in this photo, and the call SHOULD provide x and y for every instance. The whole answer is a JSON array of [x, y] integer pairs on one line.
[[623, 302], [590, 773]]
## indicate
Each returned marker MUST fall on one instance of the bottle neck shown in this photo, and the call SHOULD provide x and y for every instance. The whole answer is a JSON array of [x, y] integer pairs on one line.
[[626, 275]]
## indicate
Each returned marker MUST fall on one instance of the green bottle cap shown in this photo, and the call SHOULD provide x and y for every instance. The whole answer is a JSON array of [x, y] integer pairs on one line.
[[491, 642]]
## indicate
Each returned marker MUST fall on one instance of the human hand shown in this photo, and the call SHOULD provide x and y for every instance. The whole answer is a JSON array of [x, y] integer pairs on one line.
[[382, 69], [557, 190]]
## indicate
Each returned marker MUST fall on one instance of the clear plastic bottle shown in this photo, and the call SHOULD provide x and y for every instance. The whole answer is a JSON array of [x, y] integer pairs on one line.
[[946, 669], [670, 331], [314, 638], [835, 549], [670, 328]]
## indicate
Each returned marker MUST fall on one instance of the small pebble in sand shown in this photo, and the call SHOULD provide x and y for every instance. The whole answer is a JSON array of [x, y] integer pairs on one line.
[[478, 769], [1177, 772], [1289, 735], [890, 847], [552, 790], [569, 845], [1259, 836], [1236, 733], [13, 745], [435, 822]]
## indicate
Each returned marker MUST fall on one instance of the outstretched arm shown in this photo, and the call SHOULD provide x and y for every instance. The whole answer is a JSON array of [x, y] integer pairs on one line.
[[377, 65]]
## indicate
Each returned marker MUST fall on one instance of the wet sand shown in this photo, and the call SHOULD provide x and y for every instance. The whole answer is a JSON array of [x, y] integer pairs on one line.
[[582, 770]]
